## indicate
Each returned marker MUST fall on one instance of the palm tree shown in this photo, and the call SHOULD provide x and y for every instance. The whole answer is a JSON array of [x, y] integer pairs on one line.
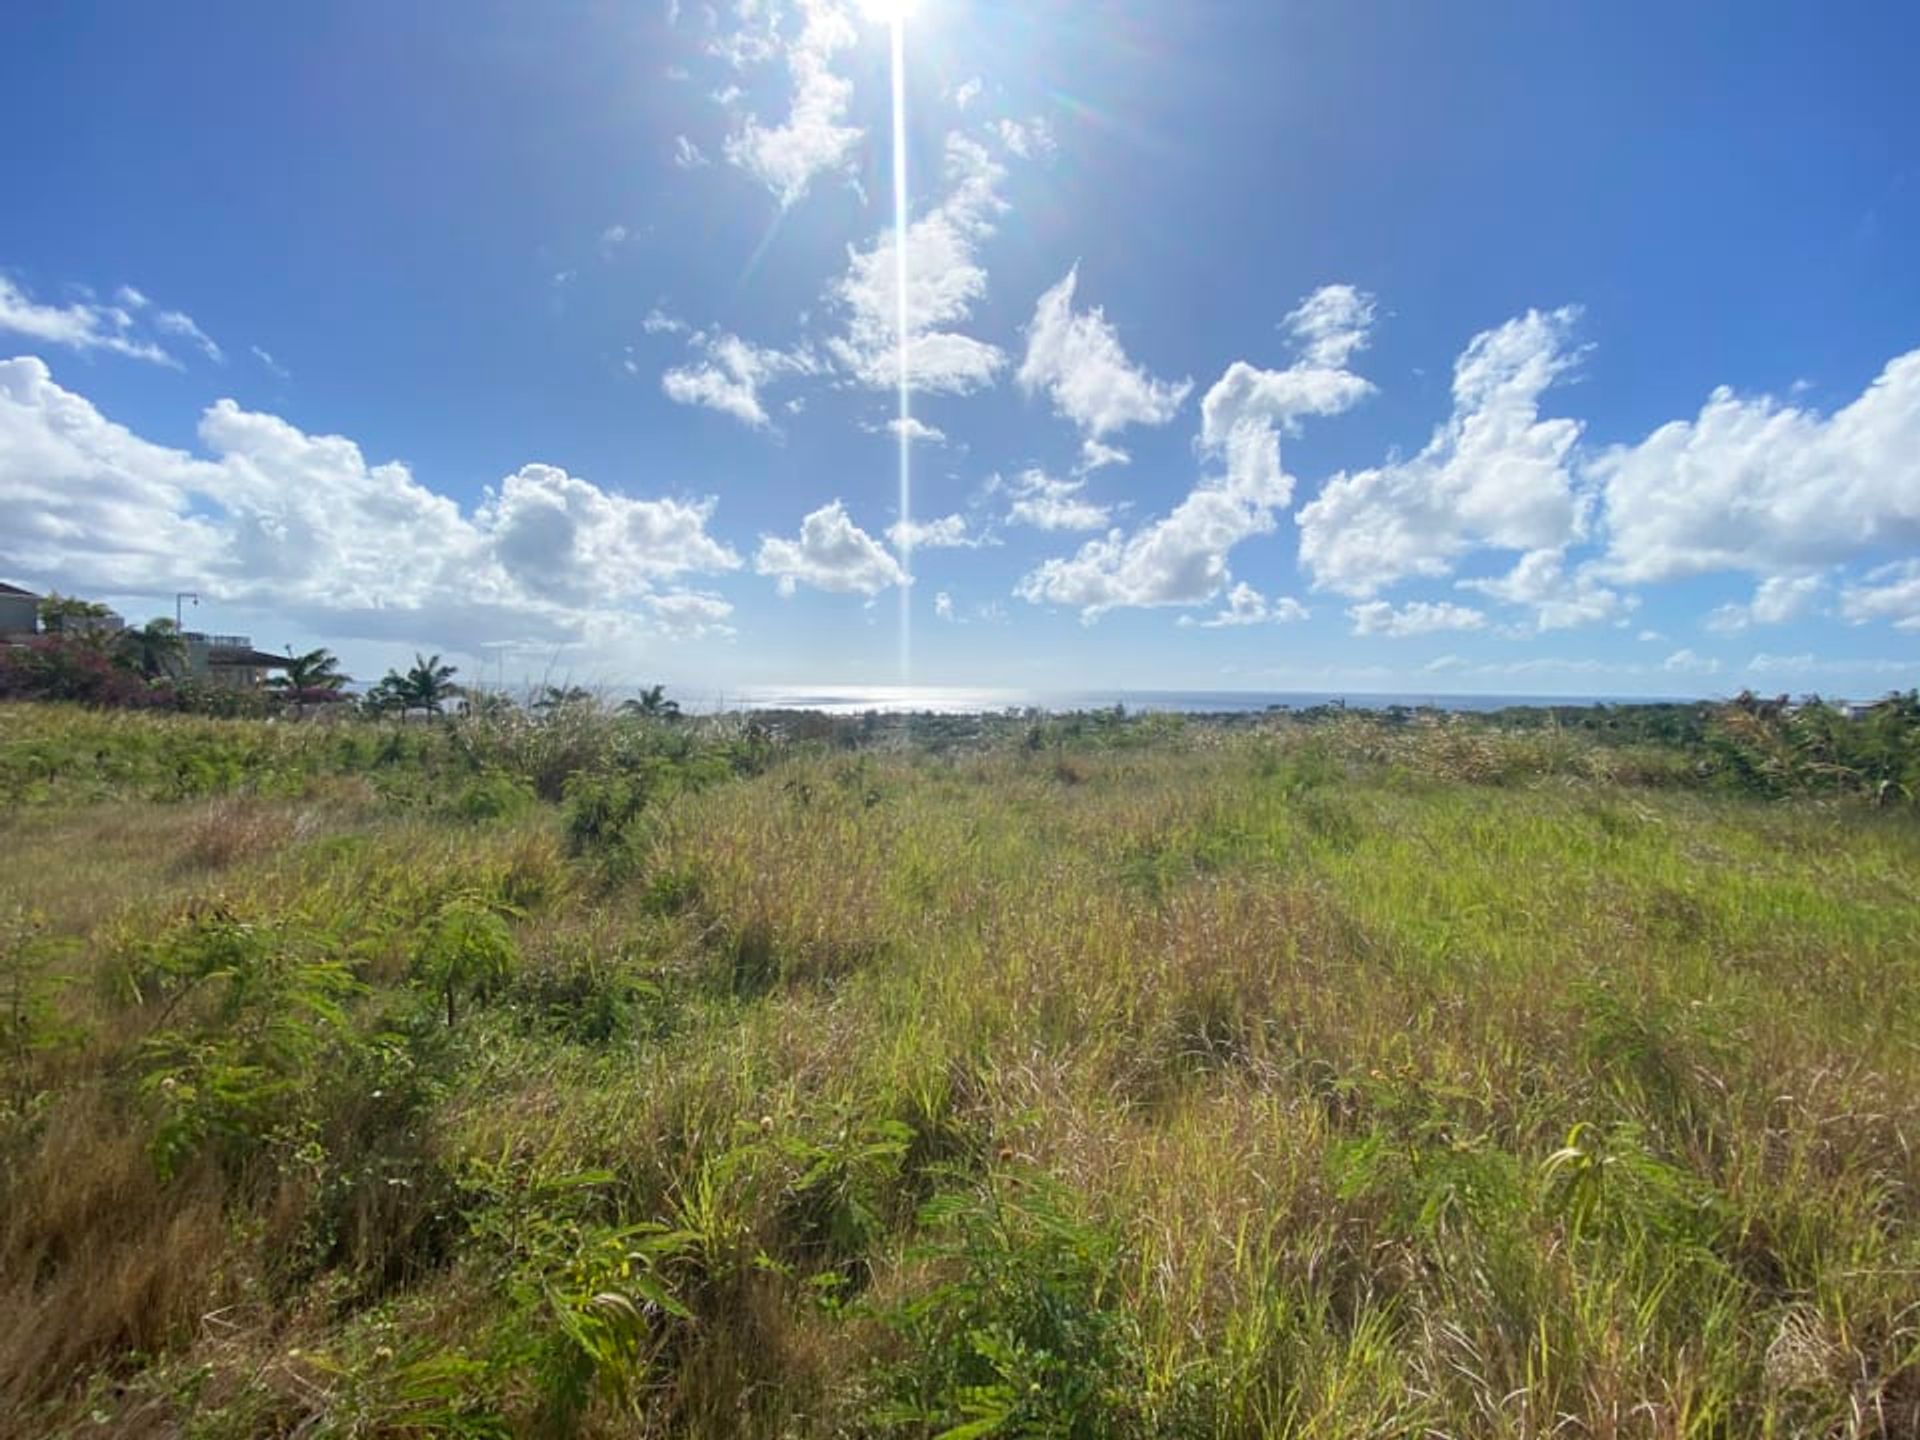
[[427, 686], [155, 649], [556, 697], [315, 670], [652, 704], [314, 676]]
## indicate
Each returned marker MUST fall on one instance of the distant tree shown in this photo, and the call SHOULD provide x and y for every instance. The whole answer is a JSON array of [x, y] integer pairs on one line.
[[427, 685], [56, 609], [570, 697], [652, 703], [490, 704], [156, 649], [315, 670], [309, 679]]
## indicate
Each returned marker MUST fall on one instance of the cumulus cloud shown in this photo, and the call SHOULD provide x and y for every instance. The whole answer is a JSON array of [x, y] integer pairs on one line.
[[1753, 485], [1181, 558], [303, 526], [1776, 600], [1687, 662], [944, 281], [1247, 606], [814, 138], [830, 553], [1418, 617], [1075, 357], [1045, 503], [943, 606], [82, 325], [730, 374], [1890, 593], [692, 614], [1559, 601], [949, 532], [1331, 325], [916, 431], [1494, 474]]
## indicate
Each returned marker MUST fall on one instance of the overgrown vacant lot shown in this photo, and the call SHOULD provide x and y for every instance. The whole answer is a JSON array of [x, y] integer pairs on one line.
[[606, 1079]]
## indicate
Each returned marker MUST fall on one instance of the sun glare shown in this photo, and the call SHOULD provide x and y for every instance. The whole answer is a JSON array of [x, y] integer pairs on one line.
[[888, 12]]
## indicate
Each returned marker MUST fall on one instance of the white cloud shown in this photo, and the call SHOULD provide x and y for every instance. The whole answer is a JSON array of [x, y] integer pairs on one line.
[[1890, 593], [687, 155], [1094, 456], [1418, 617], [1331, 325], [966, 92], [175, 322], [729, 378], [1027, 139], [1494, 474], [1049, 504], [1560, 601], [272, 364], [949, 532], [831, 553], [943, 606], [80, 326], [944, 280], [1687, 662], [916, 431], [1808, 666], [1247, 606], [1690, 663], [1777, 599], [659, 322], [302, 527], [814, 139], [1766, 488], [1077, 359], [611, 239], [1181, 558], [691, 614]]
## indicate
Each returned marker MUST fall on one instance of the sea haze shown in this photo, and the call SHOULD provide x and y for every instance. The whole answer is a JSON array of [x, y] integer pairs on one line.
[[970, 700]]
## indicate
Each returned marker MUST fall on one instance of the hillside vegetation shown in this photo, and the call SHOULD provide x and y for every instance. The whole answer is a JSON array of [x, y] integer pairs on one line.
[[1100, 1077]]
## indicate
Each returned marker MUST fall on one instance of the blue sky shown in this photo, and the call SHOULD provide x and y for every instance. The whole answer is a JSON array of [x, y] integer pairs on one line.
[[1500, 348]]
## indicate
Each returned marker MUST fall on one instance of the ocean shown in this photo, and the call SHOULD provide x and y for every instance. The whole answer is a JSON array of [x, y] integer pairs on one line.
[[968, 700]]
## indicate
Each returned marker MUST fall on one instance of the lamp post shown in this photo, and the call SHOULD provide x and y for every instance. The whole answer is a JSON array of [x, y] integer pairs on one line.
[[178, 622]]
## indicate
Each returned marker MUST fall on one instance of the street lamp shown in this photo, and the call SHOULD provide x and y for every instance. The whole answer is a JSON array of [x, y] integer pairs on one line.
[[178, 622]]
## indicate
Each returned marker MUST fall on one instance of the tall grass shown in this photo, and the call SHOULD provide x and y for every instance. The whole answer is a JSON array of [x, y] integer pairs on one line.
[[1336, 1080]]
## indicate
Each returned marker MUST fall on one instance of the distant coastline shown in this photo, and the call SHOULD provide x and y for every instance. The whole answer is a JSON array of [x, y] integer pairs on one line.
[[968, 700]]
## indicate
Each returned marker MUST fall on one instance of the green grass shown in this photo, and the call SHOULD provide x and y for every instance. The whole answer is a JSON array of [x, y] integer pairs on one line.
[[1283, 1080]]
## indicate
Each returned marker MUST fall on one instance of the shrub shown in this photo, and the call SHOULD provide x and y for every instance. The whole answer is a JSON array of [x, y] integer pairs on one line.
[[466, 948], [1026, 1334]]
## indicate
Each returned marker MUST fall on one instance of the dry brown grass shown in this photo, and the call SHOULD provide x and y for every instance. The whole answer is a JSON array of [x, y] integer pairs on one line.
[[101, 1264]]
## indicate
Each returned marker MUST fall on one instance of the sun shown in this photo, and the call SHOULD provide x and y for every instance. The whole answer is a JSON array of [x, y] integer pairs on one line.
[[888, 12]]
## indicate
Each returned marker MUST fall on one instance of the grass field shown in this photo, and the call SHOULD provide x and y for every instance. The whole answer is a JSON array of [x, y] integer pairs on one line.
[[605, 1079]]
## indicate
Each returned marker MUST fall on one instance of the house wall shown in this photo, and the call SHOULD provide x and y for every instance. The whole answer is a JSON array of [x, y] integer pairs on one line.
[[19, 613]]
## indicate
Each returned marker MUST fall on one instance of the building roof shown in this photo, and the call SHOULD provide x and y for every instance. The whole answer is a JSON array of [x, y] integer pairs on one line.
[[236, 655], [6, 589]]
